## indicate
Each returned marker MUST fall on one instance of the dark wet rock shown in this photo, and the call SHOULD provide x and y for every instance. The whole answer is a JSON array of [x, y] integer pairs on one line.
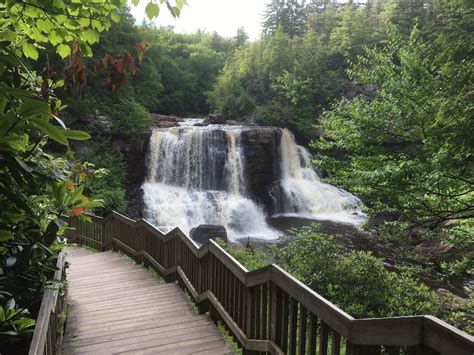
[[99, 124], [453, 301], [166, 124], [165, 118], [217, 119], [261, 167], [134, 151], [206, 232], [381, 218], [433, 247]]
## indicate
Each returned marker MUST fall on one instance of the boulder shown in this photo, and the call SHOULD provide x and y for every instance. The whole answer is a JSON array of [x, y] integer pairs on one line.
[[217, 119], [202, 124], [453, 301], [166, 124], [98, 124], [158, 117], [206, 232]]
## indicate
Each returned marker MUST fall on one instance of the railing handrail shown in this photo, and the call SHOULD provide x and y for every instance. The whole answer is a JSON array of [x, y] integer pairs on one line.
[[404, 331], [48, 305]]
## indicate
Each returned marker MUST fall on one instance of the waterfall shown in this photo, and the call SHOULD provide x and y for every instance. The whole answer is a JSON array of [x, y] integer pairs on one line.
[[304, 195], [197, 175]]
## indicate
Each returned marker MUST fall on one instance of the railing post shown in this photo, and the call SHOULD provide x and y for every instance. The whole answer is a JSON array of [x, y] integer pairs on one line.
[[249, 318], [203, 306], [273, 312], [106, 234]]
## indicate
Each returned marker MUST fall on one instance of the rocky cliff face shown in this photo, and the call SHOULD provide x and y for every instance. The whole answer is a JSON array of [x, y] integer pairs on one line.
[[134, 151], [261, 167]]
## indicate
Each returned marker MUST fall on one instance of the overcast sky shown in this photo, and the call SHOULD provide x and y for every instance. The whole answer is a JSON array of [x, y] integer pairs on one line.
[[222, 16]]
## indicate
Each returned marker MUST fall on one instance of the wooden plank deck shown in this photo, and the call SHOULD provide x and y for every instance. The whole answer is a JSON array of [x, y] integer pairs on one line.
[[118, 307]]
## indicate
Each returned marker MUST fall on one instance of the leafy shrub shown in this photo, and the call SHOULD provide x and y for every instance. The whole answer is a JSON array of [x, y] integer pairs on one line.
[[356, 281], [127, 115], [109, 187], [250, 258]]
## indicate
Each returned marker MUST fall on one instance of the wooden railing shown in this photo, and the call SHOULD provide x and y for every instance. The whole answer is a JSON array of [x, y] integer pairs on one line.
[[47, 335], [267, 310]]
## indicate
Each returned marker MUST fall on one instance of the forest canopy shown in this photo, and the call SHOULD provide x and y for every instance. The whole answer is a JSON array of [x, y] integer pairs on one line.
[[381, 91]]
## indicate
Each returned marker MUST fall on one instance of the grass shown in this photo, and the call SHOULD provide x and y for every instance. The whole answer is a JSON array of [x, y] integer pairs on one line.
[[156, 275], [85, 247], [191, 302], [229, 339]]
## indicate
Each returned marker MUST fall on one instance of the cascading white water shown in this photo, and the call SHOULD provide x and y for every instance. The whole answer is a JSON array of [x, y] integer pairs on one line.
[[304, 195], [197, 176]]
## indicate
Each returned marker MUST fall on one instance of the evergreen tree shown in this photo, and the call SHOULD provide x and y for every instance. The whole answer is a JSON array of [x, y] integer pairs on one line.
[[289, 14], [241, 38]]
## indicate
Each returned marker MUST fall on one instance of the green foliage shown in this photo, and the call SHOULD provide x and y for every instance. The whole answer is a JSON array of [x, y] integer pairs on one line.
[[173, 77], [408, 144], [292, 75], [290, 15], [15, 321], [109, 188], [356, 281], [229, 339], [250, 258], [38, 189]]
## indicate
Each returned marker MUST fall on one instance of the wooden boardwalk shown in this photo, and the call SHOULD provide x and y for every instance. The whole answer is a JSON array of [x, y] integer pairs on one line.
[[116, 306]]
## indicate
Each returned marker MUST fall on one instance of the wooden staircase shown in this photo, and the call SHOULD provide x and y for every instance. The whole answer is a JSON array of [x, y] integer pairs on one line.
[[117, 306]]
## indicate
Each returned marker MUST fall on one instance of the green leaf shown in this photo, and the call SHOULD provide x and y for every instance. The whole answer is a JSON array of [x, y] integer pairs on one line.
[[4, 236], [98, 25], [23, 165], [30, 51], [33, 108], [77, 135], [115, 17], [135, 2], [175, 11], [3, 104], [63, 50], [90, 204], [55, 133], [55, 37], [152, 10], [7, 36], [10, 304], [75, 195], [24, 323], [91, 36], [44, 25]]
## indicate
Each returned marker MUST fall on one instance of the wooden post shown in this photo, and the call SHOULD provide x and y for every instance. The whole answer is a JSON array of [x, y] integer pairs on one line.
[[273, 312]]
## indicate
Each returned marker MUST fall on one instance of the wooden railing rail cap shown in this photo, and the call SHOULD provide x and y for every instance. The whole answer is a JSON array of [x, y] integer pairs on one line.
[[48, 305]]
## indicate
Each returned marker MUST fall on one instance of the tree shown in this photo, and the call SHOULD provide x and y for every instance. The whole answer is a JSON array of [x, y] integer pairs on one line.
[[38, 189], [289, 14], [241, 38], [409, 144]]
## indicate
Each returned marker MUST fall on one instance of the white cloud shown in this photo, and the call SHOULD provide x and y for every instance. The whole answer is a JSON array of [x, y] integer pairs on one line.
[[222, 16]]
